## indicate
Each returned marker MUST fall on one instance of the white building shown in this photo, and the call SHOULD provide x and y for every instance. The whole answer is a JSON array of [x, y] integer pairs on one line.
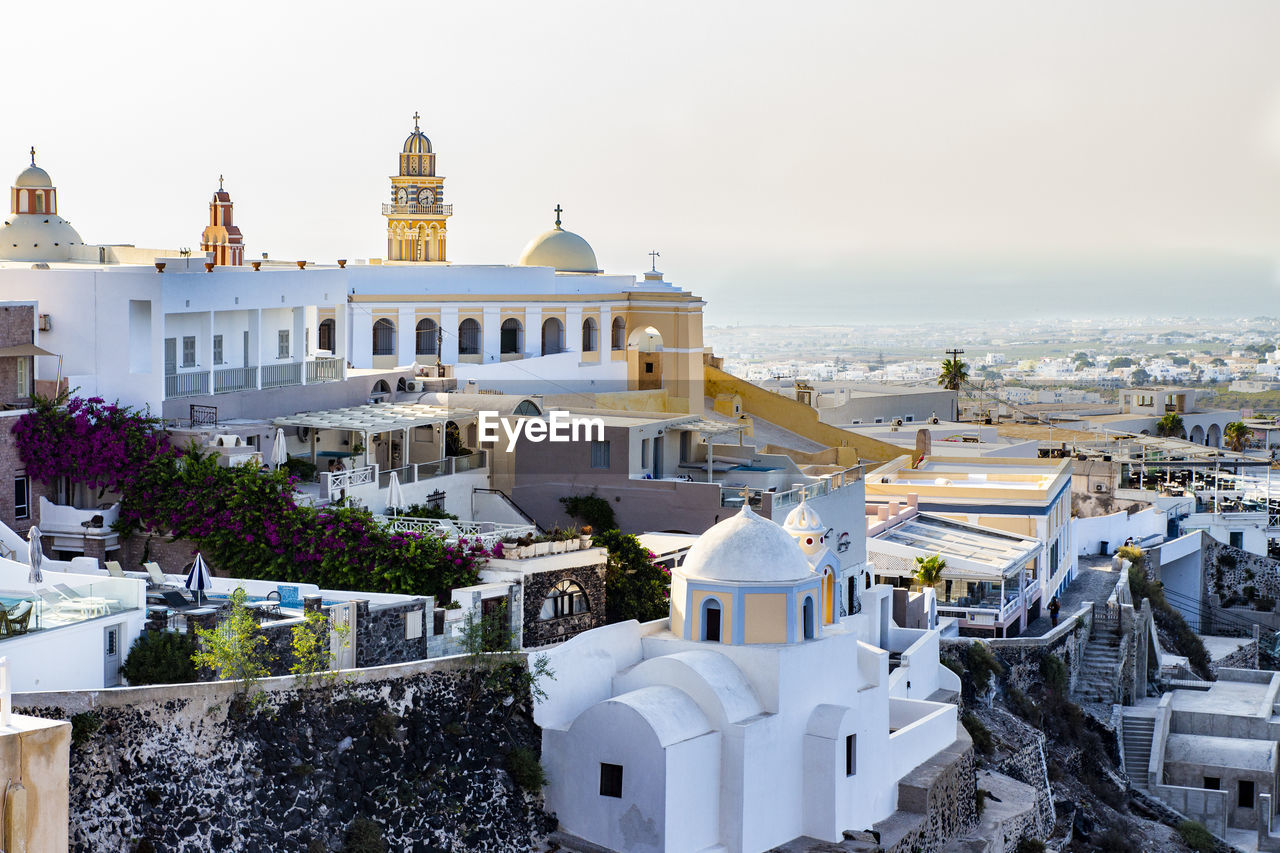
[[756, 714]]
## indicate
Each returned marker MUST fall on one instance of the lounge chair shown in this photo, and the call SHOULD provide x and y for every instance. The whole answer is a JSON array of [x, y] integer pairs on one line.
[[114, 569], [177, 601], [66, 592], [14, 620], [157, 577]]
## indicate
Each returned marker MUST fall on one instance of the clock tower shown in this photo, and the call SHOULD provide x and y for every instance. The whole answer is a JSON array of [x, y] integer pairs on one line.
[[417, 213]]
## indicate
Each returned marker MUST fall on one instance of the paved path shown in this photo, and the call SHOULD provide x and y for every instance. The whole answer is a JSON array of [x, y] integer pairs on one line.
[[1094, 582]]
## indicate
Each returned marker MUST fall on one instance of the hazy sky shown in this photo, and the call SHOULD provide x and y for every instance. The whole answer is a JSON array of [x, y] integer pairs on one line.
[[780, 156]]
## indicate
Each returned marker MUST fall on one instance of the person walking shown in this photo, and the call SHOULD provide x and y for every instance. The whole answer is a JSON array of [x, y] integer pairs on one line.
[[1054, 607]]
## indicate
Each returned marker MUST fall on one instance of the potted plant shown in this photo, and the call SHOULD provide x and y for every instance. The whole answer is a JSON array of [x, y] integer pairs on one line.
[[570, 538], [584, 537], [929, 570], [541, 546], [524, 547], [557, 541]]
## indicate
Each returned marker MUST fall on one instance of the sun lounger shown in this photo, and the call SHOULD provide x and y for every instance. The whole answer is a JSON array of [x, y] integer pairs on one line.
[[157, 577], [114, 569], [177, 601]]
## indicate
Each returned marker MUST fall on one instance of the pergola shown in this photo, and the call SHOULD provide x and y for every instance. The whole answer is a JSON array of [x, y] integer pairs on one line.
[[375, 419], [710, 430]]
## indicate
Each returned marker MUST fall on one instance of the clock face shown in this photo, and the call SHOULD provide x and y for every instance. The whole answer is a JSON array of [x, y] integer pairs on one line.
[[402, 196], [426, 196]]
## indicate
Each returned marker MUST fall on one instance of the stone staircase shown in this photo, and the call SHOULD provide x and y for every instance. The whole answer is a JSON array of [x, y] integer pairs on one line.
[[1136, 734], [1100, 665]]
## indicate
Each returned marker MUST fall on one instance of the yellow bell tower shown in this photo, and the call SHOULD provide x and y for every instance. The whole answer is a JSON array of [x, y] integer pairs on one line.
[[417, 213]]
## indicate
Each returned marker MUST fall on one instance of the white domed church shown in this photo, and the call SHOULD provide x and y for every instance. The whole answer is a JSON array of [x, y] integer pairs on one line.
[[757, 714]]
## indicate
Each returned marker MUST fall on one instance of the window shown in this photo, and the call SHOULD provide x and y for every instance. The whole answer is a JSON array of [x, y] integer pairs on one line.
[[611, 780], [552, 336], [1053, 559], [217, 349], [1244, 794], [510, 337], [282, 343], [1213, 783], [189, 351], [566, 598], [170, 356], [618, 334], [808, 617], [21, 496], [648, 367], [469, 337], [589, 335], [711, 621], [24, 377], [427, 332], [644, 453], [384, 337], [850, 755], [324, 335], [1236, 538], [599, 454]]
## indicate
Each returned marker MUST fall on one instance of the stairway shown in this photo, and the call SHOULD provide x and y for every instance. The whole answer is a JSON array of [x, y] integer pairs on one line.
[[1136, 733], [1100, 665]]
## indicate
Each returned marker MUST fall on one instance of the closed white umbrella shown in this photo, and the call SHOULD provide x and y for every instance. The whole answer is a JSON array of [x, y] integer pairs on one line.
[[198, 579], [279, 455], [34, 556], [395, 495]]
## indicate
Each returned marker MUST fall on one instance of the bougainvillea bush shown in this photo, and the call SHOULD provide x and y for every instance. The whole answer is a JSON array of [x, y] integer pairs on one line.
[[242, 519]]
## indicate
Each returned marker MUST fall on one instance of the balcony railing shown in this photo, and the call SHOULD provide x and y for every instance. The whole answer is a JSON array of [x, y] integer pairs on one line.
[[186, 384], [418, 209], [280, 375], [230, 379], [825, 486], [325, 369], [439, 468], [487, 532]]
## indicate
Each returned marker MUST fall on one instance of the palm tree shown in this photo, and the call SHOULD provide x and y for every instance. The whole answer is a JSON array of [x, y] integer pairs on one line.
[[954, 373], [1237, 435], [1170, 425], [929, 570]]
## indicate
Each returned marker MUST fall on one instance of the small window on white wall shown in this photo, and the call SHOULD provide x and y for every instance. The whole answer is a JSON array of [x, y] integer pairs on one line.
[[282, 340], [189, 351], [217, 349], [850, 755]]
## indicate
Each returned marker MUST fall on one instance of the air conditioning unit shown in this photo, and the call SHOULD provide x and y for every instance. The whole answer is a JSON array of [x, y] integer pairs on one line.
[[934, 420], [897, 421], [415, 385], [46, 325], [1099, 487]]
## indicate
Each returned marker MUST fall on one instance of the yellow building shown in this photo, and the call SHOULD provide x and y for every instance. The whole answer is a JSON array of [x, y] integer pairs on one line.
[[417, 213]]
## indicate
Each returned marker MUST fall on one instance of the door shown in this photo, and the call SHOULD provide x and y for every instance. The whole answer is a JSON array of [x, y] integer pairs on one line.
[[657, 458], [170, 356], [342, 635], [111, 656], [245, 355]]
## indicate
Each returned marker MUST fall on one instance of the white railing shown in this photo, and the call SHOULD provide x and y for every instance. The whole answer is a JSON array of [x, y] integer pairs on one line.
[[488, 532], [230, 379], [337, 480], [326, 369], [439, 468], [825, 486], [279, 375], [186, 384], [420, 209]]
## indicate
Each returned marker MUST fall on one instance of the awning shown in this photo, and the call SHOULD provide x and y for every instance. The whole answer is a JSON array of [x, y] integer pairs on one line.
[[375, 418], [23, 350]]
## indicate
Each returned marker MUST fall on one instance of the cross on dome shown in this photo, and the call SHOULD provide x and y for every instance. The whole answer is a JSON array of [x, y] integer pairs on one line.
[[655, 254], [415, 119], [33, 155], [559, 210], [219, 182]]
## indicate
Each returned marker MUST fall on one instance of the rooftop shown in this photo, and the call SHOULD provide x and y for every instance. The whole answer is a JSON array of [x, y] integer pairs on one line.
[[967, 545], [942, 475]]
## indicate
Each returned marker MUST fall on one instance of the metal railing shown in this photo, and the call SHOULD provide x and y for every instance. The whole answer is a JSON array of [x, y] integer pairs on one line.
[[326, 369], [279, 375], [487, 532], [827, 484], [230, 379], [439, 468], [420, 209], [186, 384]]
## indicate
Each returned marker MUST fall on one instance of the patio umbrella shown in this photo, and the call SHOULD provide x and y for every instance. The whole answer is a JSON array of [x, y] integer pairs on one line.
[[278, 453], [198, 579], [395, 495], [34, 556]]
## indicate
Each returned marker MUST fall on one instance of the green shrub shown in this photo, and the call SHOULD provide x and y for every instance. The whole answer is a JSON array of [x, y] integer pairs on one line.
[[983, 742], [525, 769], [593, 510], [1132, 553], [427, 511], [1249, 591], [981, 665], [1227, 560], [83, 726], [364, 836], [1185, 641], [303, 469], [1197, 837], [979, 801], [160, 657]]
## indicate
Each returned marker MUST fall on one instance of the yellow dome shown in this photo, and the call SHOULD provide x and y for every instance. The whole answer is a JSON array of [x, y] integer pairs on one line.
[[34, 176], [563, 250]]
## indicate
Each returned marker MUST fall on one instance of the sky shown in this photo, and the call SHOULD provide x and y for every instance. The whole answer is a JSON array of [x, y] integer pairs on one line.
[[822, 162]]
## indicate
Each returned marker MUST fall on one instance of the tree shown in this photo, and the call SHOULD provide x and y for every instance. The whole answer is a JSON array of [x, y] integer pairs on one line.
[[635, 587], [1139, 377], [1170, 425], [235, 648], [160, 657], [954, 373], [310, 641], [1120, 361], [1237, 435], [929, 570]]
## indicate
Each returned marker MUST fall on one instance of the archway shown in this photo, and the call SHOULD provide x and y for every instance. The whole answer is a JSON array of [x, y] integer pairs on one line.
[[1197, 434], [646, 343], [808, 617], [1213, 437], [589, 335], [618, 334], [384, 337], [427, 333], [552, 336], [511, 337], [711, 620], [324, 335], [469, 337]]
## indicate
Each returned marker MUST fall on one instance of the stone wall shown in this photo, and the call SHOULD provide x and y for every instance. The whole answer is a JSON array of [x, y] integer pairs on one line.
[[1245, 657], [380, 632], [172, 555], [540, 632], [1021, 655], [1227, 571], [936, 801], [420, 750]]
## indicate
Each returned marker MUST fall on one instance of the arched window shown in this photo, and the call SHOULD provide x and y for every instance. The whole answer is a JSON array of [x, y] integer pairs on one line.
[[39, 199], [711, 620], [552, 336], [566, 598], [427, 330], [618, 337], [527, 407], [589, 335], [324, 335], [808, 617], [384, 337], [511, 336], [469, 337]]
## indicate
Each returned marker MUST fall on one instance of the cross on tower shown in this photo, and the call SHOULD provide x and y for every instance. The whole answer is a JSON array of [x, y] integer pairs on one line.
[[219, 183], [33, 155], [558, 212], [415, 119], [655, 254]]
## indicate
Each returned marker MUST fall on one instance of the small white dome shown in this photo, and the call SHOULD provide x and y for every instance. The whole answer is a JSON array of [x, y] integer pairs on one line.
[[803, 520], [34, 176], [37, 237], [746, 548], [563, 250]]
